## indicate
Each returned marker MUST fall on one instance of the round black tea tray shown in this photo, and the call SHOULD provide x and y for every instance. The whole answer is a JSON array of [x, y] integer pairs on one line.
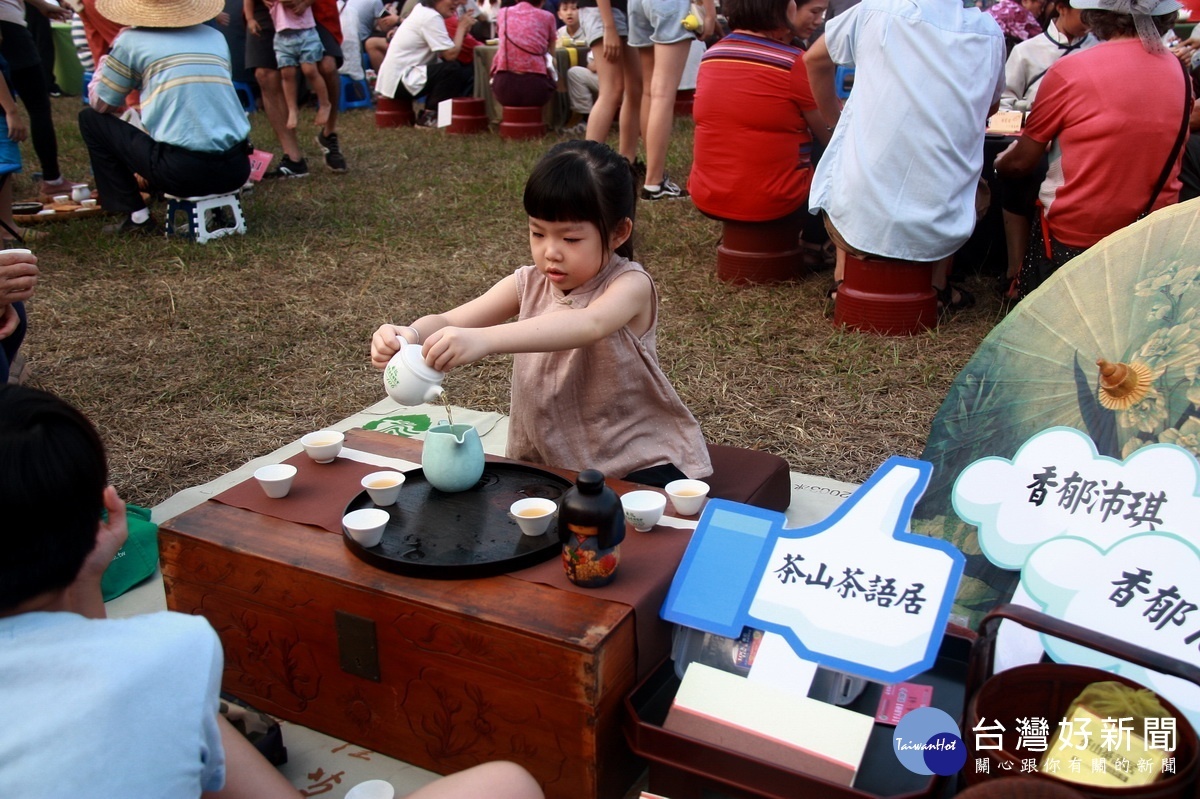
[[464, 534]]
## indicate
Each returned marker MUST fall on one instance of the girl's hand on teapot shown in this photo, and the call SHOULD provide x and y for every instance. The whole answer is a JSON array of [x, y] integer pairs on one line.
[[386, 343], [455, 346]]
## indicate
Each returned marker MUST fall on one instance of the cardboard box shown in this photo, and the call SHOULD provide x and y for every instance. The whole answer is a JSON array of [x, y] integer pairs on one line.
[[802, 734]]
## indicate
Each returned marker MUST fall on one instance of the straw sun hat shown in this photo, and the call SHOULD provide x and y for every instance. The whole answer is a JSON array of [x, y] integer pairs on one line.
[[160, 13]]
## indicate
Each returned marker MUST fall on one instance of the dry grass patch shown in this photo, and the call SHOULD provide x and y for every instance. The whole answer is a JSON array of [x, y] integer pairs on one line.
[[194, 359]]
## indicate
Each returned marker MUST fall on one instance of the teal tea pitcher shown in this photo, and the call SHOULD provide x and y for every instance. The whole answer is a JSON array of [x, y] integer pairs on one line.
[[452, 457]]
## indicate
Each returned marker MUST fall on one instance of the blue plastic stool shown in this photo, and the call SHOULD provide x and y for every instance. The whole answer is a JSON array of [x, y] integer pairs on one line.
[[246, 94], [87, 81], [361, 94]]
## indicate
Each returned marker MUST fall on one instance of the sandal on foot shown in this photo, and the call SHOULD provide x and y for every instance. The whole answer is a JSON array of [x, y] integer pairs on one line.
[[816, 258], [946, 302]]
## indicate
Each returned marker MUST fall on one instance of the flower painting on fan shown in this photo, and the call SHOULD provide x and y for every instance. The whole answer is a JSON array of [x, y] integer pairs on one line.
[[1108, 346]]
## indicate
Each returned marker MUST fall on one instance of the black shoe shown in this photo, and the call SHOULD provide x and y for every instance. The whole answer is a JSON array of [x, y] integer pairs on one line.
[[667, 190], [129, 227], [428, 119], [333, 151], [55, 91], [289, 169]]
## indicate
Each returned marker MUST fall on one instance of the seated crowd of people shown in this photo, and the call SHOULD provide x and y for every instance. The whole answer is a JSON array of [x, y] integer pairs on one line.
[[892, 170]]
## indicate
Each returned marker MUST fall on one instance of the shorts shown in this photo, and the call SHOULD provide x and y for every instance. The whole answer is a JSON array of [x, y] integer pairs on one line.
[[10, 153], [591, 27], [654, 22], [298, 46], [260, 50]]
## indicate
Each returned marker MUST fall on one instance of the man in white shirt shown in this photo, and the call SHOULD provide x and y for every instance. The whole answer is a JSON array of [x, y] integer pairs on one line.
[[422, 59], [899, 177]]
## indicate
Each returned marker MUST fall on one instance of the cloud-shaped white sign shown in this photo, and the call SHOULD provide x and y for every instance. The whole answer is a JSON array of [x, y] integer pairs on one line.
[[1057, 485], [1144, 589]]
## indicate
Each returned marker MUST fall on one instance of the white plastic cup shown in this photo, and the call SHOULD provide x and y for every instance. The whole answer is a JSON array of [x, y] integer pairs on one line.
[[533, 515], [276, 479], [384, 487], [372, 789], [643, 509], [687, 496], [323, 445], [366, 525]]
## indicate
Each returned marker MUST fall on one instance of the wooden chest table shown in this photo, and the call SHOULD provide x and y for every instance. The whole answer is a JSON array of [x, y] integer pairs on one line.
[[442, 674]]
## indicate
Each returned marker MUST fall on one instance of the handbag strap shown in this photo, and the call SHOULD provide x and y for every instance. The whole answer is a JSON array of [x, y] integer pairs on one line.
[[1183, 129]]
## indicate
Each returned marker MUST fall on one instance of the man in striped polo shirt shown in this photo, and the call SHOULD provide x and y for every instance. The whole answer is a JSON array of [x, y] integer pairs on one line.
[[194, 141]]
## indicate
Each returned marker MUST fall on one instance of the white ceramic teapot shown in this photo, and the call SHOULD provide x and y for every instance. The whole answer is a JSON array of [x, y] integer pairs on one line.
[[408, 379]]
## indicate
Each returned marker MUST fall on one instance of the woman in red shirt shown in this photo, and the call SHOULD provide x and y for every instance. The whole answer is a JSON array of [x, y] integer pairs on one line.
[[755, 115]]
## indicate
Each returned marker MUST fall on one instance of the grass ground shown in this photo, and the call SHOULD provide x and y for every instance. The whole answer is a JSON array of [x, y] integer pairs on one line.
[[193, 359]]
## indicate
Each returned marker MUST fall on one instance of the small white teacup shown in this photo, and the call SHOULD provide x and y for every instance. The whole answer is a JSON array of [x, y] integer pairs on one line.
[[687, 496], [643, 509], [384, 487], [533, 515], [372, 789], [89, 203], [323, 445], [62, 198], [366, 525], [276, 479]]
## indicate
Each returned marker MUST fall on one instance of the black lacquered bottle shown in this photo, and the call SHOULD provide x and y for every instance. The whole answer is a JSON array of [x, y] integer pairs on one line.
[[591, 526]]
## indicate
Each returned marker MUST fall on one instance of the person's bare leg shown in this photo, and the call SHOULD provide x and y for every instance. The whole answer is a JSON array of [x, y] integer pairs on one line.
[[376, 49], [333, 92], [1016, 238], [291, 93], [275, 106], [611, 86], [316, 82], [940, 281], [839, 272], [248, 775], [645, 57], [495, 780], [631, 105], [669, 61]]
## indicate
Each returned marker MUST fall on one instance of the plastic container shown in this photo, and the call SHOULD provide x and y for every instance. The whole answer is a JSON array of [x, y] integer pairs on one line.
[[736, 655]]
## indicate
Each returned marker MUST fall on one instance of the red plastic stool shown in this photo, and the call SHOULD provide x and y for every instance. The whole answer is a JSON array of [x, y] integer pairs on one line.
[[522, 122], [390, 113], [760, 252], [892, 298], [683, 102], [468, 115]]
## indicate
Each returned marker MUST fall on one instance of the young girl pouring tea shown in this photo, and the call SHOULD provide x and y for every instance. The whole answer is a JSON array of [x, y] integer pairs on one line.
[[587, 390]]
